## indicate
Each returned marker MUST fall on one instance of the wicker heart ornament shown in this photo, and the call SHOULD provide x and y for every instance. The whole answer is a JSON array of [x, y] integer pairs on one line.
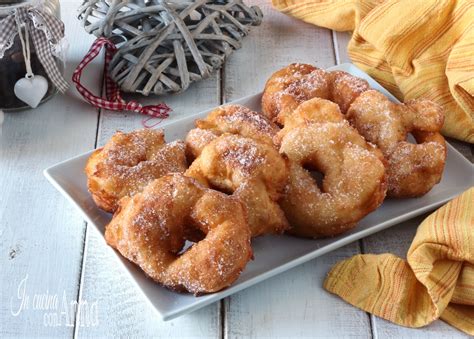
[[165, 45]]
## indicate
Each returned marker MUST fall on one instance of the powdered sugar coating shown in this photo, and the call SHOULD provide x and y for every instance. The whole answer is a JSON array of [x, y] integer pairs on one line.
[[345, 88], [315, 110], [196, 140], [297, 83], [150, 230], [413, 169], [354, 173], [234, 119], [128, 162], [250, 170], [290, 86]]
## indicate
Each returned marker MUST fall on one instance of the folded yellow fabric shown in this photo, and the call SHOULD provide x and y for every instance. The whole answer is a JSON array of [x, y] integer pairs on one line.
[[412, 48], [436, 281]]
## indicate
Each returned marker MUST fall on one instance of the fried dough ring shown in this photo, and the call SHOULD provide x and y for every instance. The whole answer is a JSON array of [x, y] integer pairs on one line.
[[233, 119], [289, 87], [149, 230], [345, 88], [354, 172], [413, 169], [128, 162], [251, 171], [316, 110], [296, 83]]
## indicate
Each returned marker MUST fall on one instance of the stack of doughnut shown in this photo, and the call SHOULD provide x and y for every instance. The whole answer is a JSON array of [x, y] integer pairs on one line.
[[324, 152]]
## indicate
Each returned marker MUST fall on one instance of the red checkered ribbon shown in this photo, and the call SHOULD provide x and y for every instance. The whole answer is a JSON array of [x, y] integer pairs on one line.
[[114, 100]]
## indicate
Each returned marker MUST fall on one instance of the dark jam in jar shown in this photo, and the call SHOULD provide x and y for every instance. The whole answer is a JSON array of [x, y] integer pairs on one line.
[[12, 65]]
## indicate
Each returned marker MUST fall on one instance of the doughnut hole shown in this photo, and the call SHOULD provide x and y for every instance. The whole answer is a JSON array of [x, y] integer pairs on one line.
[[317, 176], [411, 139]]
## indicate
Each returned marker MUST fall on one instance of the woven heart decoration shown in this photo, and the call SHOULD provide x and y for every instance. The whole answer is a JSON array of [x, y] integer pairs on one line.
[[165, 45]]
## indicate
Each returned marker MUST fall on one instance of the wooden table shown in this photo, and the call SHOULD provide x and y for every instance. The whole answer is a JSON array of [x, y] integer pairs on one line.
[[49, 254]]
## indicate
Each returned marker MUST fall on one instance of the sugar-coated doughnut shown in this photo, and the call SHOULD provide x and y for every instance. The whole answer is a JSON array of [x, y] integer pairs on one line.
[[413, 169], [353, 183], [233, 119], [296, 83], [252, 171], [150, 228], [128, 162]]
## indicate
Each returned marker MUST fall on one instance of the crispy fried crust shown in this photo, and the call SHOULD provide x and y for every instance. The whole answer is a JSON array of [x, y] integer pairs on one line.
[[233, 119], [354, 172], [312, 111], [345, 88], [289, 87], [128, 162], [252, 171], [296, 83], [150, 228], [413, 169]]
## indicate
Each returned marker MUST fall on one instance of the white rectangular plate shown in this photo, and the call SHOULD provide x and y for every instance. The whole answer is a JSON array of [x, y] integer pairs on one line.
[[273, 254]]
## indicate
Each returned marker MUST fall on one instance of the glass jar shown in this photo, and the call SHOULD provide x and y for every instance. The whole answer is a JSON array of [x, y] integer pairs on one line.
[[12, 65]]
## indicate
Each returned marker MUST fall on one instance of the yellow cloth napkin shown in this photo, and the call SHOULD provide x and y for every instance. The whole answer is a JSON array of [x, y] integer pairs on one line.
[[436, 281], [412, 48]]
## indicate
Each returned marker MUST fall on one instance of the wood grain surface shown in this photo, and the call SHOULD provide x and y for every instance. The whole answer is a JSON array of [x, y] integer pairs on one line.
[[41, 234], [43, 238]]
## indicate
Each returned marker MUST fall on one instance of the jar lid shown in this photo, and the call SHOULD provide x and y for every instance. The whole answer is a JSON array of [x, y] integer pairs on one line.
[[13, 2], [7, 6]]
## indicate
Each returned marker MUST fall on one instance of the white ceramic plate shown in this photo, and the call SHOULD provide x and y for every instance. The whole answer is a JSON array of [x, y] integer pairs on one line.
[[273, 254]]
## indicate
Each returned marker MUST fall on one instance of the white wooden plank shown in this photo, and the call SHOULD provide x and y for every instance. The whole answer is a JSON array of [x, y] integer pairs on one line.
[[397, 240], [200, 96], [41, 234], [279, 41], [340, 41], [123, 310], [293, 304]]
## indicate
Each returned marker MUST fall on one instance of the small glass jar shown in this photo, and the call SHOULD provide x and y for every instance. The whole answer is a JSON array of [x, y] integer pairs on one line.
[[12, 65]]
